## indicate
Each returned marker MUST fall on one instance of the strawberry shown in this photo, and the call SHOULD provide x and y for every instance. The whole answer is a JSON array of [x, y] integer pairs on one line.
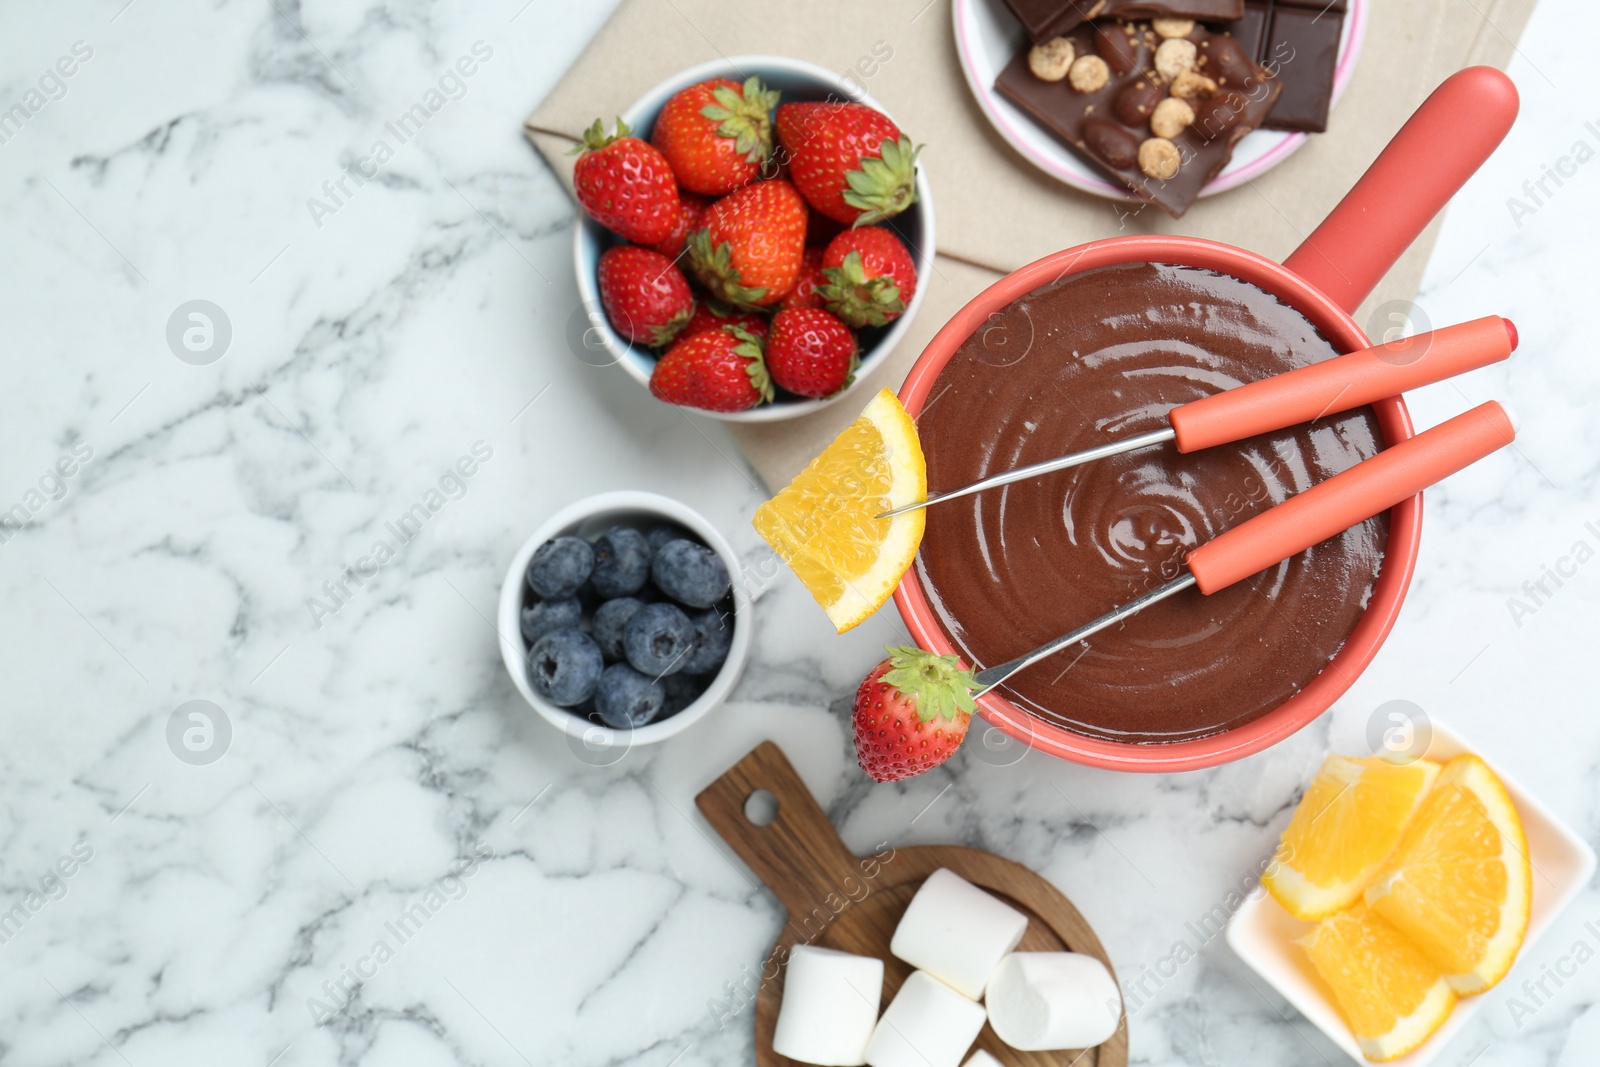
[[717, 370], [690, 207], [713, 314], [810, 352], [911, 713], [645, 295], [626, 185], [716, 134], [747, 250], [804, 294], [870, 277], [848, 160]]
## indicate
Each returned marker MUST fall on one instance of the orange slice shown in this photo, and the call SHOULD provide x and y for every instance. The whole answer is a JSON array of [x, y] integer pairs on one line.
[[824, 524], [1345, 827], [1392, 995], [1459, 883]]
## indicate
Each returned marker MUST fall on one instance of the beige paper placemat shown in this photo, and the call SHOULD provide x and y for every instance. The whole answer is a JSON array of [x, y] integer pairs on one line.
[[994, 210]]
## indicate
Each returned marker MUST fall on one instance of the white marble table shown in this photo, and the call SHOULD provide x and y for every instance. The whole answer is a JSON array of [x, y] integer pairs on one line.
[[379, 758]]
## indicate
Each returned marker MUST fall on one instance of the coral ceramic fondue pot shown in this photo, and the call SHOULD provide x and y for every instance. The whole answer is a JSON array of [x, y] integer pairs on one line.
[[1326, 278]]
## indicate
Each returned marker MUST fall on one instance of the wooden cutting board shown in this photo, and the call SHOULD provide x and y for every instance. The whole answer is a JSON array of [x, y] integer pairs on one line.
[[841, 901]]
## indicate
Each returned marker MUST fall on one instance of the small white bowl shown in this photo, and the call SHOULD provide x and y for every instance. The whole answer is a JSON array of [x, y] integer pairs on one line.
[[588, 518], [796, 80], [1263, 935]]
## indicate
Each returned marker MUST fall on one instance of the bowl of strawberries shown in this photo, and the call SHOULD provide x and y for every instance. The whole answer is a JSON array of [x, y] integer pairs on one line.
[[754, 236]]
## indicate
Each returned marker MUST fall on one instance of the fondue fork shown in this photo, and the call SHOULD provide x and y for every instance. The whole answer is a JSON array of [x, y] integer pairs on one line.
[[1369, 488], [1296, 396]]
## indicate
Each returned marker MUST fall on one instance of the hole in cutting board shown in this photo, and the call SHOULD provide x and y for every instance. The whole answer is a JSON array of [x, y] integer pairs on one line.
[[761, 807]]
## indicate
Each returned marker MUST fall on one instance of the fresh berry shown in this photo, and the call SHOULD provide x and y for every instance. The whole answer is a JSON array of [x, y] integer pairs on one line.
[[690, 573], [718, 370], [662, 532], [564, 667], [658, 640], [621, 562], [747, 250], [626, 185], [713, 636], [717, 134], [646, 296], [911, 713], [539, 618], [711, 314], [608, 622], [810, 352], [690, 207], [626, 699], [682, 690], [870, 277], [560, 566], [848, 160], [804, 294]]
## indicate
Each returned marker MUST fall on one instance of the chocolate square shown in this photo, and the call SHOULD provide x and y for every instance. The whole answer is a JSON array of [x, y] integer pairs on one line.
[[1303, 47], [1045, 19]]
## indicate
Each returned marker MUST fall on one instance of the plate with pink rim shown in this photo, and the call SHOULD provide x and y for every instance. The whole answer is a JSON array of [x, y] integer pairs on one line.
[[988, 35]]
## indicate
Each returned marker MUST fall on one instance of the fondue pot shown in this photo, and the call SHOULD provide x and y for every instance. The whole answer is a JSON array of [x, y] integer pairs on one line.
[[1326, 278]]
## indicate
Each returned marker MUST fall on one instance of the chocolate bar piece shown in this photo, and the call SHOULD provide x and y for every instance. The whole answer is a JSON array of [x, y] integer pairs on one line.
[[1045, 19], [1161, 116], [1299, 41]]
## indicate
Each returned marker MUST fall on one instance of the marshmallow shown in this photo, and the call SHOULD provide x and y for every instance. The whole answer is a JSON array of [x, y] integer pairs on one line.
[[957, 932], [1043, 1001], [981, 1058], [927, 1024], [830, 1005]]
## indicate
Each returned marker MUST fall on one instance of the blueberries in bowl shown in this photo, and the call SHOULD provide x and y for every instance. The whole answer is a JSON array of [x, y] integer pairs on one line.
[[564, 667], [560, 566], [627, 699], [690, 573], [540, 617], [628, 629], [659, 639], [621, 562]]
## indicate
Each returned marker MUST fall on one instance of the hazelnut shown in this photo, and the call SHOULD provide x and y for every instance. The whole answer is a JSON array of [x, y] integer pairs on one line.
[[1189, 84], [1089, 73], [1171, 117], [1172, 28], [1051, 60], [1174, 57], [1159, 158]]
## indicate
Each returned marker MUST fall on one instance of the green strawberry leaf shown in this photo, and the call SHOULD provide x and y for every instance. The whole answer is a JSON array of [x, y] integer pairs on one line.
[[883, 187], [939, 686]]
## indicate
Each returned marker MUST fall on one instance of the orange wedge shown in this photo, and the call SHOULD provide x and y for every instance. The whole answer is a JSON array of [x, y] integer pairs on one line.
[[1459, 883], [1345, 827], [1392, 995], [824, 524]]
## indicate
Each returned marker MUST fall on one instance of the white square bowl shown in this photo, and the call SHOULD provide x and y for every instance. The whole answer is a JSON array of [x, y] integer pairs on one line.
[[1263, 935]]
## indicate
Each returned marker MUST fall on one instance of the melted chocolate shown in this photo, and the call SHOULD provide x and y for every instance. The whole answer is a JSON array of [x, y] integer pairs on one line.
[[1094, 358]]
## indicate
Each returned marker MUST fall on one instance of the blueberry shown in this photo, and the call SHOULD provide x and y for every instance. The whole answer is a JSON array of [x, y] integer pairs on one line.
[[713, 634], [609, 619], [682, 690], [564, 667], [560, 566], [627, 699], [539, 618], [690, 573], [621, 562], [661, 533], [659, 639]]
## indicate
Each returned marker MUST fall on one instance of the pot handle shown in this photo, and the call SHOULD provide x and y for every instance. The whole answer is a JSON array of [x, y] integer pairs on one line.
[[1454, 131]]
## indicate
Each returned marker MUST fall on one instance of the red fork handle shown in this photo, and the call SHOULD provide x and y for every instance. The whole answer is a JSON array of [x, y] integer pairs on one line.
[[1432, 156], [1371, 486], [1342, 383]]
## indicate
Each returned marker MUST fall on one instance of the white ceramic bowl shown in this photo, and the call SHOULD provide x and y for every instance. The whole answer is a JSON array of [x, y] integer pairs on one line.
[[589, 518], [988, 35], [1264, 935], [796, 80]]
